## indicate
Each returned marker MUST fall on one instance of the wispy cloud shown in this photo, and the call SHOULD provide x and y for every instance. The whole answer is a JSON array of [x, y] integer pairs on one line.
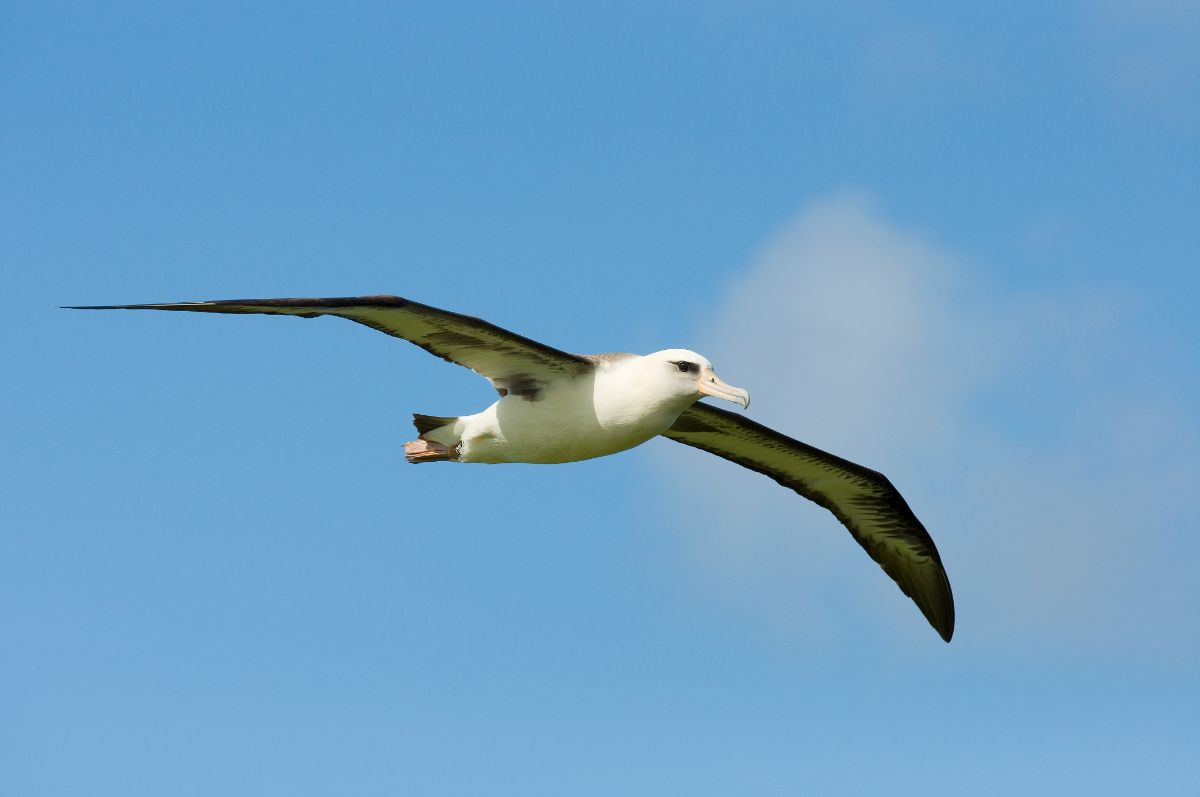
[[1049, 458]]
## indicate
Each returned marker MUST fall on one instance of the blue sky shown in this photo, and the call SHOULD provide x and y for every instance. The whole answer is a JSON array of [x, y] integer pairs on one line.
[[954, 244]]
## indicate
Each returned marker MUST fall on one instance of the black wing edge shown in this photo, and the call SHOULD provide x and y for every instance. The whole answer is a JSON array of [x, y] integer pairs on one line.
[[226, 305], [936, 606], [333, 304]]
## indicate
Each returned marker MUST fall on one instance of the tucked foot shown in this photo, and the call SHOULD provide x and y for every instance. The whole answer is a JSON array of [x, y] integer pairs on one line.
[[428, 451]]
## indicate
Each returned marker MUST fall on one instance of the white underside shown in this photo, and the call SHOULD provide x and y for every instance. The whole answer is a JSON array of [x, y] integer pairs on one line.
[[574, 419]]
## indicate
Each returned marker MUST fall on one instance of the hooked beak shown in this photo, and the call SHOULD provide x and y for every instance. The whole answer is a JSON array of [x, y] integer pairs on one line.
[[711, 385]]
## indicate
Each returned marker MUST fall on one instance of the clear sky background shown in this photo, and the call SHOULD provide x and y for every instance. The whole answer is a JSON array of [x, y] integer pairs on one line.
[[954, 243]]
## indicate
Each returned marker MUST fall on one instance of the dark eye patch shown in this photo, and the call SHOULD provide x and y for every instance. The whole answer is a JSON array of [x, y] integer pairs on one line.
[[685, 366]]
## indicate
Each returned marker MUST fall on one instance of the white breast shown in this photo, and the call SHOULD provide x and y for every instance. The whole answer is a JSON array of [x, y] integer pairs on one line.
[[606, 411]]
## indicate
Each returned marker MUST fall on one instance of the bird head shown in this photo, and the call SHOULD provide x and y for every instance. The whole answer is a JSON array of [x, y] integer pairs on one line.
[[687, 373]]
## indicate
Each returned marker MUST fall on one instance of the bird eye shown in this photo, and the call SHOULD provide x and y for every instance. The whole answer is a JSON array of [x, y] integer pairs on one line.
[[685, 366]]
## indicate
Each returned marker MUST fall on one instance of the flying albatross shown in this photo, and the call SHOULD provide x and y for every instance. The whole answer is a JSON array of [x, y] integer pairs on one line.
[[559, 407]]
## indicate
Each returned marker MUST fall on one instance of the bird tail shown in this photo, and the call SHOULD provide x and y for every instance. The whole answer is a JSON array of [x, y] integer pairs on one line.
[[427, 449], [427, 423]]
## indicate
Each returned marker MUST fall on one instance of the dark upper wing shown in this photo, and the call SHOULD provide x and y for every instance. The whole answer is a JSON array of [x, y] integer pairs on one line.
[[513, 363], [862, 499]]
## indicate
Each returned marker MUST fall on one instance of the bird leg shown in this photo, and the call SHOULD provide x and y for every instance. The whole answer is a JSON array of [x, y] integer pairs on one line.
[[428, 451]]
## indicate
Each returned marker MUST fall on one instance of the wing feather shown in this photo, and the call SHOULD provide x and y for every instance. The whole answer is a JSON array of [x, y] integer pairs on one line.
[[866, 503], [512, 363]]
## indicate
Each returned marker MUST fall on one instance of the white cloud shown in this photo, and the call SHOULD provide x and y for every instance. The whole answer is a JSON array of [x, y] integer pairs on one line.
[[1050, 460]]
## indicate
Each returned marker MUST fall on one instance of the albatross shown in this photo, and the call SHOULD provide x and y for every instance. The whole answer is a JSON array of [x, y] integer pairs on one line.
[[559, 407]]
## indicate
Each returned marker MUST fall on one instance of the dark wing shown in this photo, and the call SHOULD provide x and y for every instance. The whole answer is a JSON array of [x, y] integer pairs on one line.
[[862, 499], [513, 363]]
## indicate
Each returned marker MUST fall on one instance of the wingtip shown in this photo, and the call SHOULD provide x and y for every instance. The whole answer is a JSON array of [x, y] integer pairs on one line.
[[944, 624], [942, 618], [936, 604]]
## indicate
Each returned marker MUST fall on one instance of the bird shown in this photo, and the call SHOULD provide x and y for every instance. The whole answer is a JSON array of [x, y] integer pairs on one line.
[[557, 407]]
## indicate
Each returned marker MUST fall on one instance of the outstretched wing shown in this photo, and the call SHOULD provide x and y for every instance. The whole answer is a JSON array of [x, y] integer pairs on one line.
[[862, 499], [513, 364]]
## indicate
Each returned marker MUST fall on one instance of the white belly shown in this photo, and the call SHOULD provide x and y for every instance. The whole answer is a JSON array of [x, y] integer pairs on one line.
[[568, 424]]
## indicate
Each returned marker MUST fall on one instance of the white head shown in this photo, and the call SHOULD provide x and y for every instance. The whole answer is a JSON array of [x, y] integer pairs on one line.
[[686, 374]]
